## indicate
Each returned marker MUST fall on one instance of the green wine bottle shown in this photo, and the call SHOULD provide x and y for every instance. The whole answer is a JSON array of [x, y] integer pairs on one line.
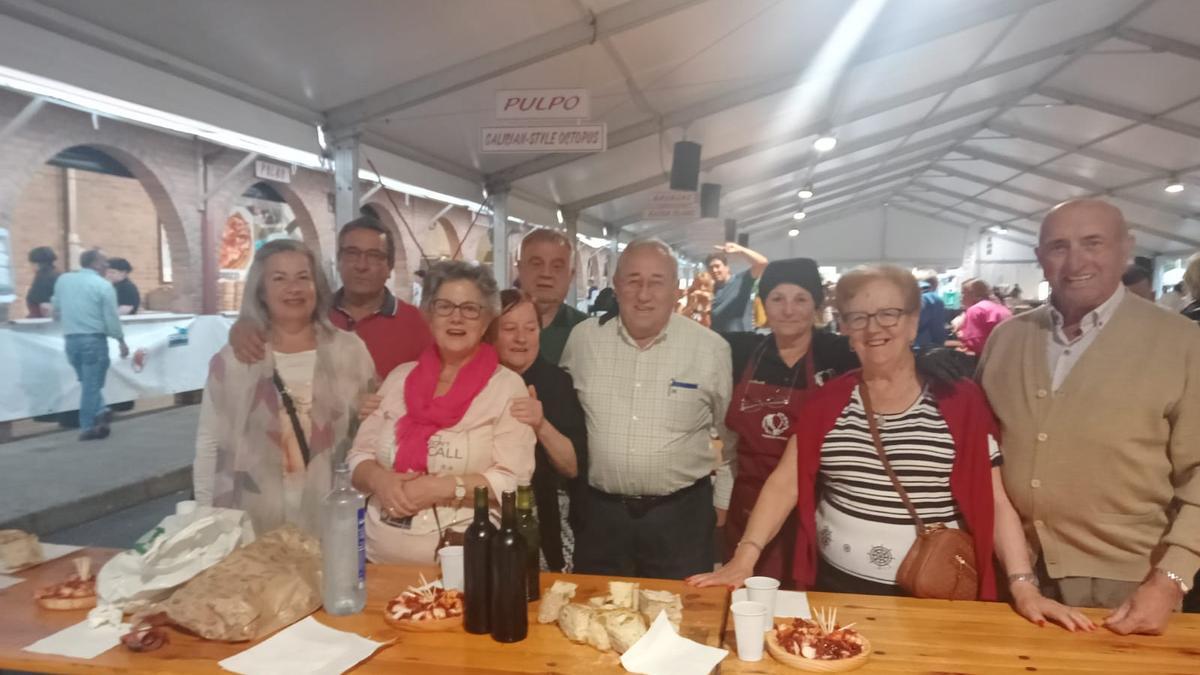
[[527, 525]]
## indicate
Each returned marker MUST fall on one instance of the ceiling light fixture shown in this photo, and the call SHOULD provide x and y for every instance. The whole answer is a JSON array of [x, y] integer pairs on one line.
[[825, 143], [1174, 185], [793, 232], [558, 214], [805, 192], [1000, 229], [799, 215]]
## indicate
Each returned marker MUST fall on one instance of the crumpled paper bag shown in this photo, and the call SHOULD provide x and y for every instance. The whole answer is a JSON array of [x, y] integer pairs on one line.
[[255, 591]]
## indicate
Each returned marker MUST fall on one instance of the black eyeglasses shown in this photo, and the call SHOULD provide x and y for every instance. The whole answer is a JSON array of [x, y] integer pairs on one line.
[[373, 256], [886, 318], [468, 310]]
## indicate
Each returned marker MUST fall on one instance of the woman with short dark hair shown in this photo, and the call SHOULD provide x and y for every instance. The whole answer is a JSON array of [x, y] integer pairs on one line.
[[444, 426], [37, 300]]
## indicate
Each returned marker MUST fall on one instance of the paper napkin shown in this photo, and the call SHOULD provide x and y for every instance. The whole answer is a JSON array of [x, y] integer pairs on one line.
[[80, 641], [790, 604], [49, 552], [662, 651], [305, 647]]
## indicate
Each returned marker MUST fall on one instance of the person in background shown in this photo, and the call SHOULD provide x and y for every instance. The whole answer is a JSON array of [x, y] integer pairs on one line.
[[733, 293], [981, 315], [652, 385], [1101, 441], [128, 298], [37, 300], [773, 376], [545, 269], [394, 331], [269, 430], [697, 302], [1191, 280], [1176, 298], [853, 529], [445, 425], [418, 284], [87, 306], [1137, 281], [931, 329], [552, 410]]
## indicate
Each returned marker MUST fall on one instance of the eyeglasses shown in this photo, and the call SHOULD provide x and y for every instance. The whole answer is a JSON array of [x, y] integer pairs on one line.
[[468, 310], [886, 318], [354, 255]]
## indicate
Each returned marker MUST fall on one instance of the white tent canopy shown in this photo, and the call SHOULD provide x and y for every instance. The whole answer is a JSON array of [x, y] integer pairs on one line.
[[970, 113]]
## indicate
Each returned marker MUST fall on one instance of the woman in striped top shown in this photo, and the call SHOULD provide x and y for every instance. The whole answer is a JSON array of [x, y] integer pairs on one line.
[[853, 528]]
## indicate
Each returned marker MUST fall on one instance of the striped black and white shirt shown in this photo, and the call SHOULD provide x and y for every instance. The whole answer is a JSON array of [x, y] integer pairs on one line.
[[864, 528]]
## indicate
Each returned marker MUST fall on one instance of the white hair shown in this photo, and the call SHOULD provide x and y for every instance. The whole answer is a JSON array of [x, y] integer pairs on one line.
[[658, 245]]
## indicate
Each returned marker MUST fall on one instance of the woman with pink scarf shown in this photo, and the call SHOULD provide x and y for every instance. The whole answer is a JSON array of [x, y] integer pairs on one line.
[[443, 426]]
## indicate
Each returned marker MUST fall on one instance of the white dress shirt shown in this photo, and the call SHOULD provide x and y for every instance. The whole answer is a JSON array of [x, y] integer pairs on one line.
[[649, 411], [1063, 352]]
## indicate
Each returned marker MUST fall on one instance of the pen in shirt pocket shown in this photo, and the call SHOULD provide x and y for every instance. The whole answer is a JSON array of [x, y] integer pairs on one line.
[[676, 385]]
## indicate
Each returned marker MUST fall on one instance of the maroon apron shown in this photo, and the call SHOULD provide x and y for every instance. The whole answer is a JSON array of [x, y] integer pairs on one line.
[[763, 416]]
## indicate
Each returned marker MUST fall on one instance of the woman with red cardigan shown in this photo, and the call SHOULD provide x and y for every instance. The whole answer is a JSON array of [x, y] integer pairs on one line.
[[853, 530]]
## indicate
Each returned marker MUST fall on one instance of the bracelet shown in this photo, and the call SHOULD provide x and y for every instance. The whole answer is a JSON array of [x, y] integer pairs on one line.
[[750, 543], [1024, 576]]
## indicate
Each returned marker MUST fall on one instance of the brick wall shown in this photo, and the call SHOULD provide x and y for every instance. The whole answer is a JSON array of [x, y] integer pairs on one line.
[[37, 221], [117, 215]]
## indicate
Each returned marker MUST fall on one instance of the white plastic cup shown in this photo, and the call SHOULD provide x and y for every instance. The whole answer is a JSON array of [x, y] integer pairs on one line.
[[747, 627], [763, 589], [451, 559], [185, 508]]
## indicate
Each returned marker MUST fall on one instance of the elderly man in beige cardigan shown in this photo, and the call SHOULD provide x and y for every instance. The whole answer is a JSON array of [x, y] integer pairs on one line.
[[1098, 396]]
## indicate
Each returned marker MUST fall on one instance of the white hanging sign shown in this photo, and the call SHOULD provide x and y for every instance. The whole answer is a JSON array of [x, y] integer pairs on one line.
[[543, 104], [672, 204], [549, 139], [272, 171]]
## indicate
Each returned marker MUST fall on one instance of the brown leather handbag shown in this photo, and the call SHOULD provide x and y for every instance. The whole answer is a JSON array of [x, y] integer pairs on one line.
[[941, 563]]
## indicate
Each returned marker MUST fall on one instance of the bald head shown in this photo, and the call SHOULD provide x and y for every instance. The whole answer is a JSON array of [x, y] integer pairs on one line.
[[1083, 247]]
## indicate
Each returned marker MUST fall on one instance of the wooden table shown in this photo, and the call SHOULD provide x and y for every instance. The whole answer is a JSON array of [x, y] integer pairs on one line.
[[915, 636], [22, 622]]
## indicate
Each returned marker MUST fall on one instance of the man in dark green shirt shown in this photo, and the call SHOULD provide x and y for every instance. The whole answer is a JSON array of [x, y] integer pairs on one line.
[[546, 268]]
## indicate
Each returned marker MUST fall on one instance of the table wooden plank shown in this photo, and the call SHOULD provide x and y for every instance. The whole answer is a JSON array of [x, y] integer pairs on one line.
[[914, 636], [545, 650]]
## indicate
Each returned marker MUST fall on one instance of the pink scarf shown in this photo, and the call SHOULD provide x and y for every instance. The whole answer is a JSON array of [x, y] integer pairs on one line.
[[426, 414]]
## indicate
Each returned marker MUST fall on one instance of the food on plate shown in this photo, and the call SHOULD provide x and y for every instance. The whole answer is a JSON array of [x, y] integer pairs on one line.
[[77, 592], [19, 549], [554, 599], [819, 645], [613, 621], [235, 243], [425, 606]]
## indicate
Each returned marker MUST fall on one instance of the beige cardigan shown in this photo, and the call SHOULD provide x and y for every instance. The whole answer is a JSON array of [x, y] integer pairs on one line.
[[1105, 472]]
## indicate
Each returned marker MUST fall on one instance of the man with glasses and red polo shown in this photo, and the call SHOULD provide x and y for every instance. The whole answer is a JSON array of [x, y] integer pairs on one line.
[[394, 331]]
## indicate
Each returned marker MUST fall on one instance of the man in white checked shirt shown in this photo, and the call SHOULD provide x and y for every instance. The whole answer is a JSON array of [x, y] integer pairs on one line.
[[652, 385]]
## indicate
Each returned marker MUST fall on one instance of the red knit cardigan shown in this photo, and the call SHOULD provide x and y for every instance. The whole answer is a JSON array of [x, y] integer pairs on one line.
[[970, 420]]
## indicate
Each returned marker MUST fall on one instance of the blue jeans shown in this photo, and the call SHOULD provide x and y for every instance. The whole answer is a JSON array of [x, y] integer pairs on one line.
[[88, 355]]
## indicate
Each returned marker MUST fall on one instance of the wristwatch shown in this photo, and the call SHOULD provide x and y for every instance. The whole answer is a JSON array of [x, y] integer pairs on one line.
[[1174, 577], [460, 489]]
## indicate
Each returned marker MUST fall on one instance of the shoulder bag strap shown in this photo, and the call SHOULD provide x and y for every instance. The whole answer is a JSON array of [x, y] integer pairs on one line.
[[290, 406], [887, 466]]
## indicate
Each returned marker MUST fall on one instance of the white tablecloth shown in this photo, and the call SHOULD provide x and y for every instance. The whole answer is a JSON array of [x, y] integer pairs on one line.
[[35, 378]]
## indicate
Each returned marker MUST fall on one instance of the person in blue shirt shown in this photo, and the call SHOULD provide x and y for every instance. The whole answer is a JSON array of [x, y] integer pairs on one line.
[[733, 300], [931, 326], [86, 303]]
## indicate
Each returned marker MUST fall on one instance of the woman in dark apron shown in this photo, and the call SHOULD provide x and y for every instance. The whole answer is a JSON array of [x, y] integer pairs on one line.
[[773, 375]]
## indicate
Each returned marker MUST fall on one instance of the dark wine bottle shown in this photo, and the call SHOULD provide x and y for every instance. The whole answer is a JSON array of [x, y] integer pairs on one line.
[[476, 568], [510, 608], [527, 525]]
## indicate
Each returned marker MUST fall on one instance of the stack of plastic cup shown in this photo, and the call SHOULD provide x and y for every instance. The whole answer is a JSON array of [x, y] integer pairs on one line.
[[763, 589]]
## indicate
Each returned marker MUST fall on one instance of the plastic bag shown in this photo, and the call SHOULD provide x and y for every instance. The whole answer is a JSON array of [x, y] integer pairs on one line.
[[182, 546]]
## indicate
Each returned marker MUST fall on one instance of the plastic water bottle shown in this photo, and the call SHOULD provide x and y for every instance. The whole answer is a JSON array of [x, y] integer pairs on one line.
[[343, 547]]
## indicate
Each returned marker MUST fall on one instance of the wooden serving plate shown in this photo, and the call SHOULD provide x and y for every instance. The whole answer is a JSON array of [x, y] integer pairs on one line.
[[449, 623], [816, 665]]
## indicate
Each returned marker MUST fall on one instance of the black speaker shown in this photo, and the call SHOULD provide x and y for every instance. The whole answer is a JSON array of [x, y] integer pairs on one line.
[[685, 167], [730, 229], [710, 200], [744, 239]]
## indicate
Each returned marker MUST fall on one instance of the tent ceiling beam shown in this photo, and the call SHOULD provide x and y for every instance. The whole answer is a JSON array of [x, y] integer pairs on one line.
[[1160, 43], [832, 197], [870, 200], [914, 166], [965, 214], [1118, 110], [788, 81], [989, 186], [537, 48], [1028, 134], [28, 111], [918, 212], [803, 162]]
